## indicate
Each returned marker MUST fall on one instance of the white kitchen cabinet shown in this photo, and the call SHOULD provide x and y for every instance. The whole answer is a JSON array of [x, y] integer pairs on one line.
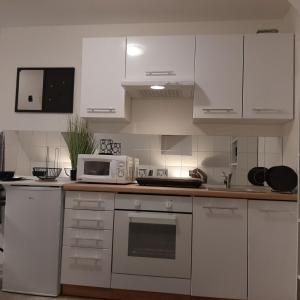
[[272, 253], [152, 58], [219, 255], [87, 240], [103, 69], [268, 76], [218, 77]]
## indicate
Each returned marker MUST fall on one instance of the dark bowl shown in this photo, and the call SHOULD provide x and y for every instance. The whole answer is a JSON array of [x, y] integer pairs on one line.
[[6, 175]]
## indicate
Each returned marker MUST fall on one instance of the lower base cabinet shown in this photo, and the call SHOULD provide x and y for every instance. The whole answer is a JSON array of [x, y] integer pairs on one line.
[[86, 267], [219, 257], [87, 239], [272, 255]]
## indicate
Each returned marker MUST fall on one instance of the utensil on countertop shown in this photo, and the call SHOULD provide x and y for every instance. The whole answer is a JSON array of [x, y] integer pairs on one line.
[[6, 175], [169, 182], [46, 173], [257, 176], [282, 179]]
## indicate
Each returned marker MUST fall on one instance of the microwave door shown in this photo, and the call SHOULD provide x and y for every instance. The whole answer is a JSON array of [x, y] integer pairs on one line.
[[100, 170]]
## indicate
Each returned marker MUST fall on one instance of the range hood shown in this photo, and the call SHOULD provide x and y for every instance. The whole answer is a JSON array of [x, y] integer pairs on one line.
[[159, 89]]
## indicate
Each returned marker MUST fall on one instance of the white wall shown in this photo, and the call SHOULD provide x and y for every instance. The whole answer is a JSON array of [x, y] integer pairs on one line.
[[61, 46]]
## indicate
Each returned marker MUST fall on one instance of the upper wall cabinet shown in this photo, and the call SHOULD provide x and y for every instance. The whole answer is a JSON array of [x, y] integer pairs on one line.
[[218, 77], [268, 76], [103, 68], [154, 58]]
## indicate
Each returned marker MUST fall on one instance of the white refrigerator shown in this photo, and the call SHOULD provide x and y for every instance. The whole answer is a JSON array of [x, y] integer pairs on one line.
[[32, 240]]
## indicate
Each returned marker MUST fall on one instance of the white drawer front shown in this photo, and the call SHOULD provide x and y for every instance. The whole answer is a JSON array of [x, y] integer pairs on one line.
[[90, 200], [88, 219], [87, 267], [88, 238]]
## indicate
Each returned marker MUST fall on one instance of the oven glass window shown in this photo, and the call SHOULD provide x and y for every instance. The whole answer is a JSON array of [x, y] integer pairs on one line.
[[152, 240], [99, 168]]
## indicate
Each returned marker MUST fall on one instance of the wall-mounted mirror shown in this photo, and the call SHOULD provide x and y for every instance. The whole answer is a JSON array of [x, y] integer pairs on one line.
[[48, 90]]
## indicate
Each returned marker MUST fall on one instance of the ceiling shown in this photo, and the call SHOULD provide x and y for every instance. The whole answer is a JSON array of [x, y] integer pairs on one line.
[[77, 12]]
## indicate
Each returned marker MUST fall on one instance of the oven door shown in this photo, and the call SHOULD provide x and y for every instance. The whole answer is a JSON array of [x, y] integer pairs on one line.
[[152, 243], [97, 170]]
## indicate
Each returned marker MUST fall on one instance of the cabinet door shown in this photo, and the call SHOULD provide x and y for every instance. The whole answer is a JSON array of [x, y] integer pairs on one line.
[[219, 255], [218, 76], [160, 58], [103, 69], [272, 254], [269, 76]]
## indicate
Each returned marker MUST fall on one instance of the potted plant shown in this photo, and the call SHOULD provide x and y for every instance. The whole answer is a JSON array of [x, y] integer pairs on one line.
[[79, 141]]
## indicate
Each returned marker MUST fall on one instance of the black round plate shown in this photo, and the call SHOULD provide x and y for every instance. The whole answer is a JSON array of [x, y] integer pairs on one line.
[[282, 178], [256, 176]]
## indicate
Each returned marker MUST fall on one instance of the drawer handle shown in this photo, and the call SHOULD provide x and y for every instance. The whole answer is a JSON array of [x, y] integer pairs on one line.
[[220, 208], [267, 110], [218, 110], [97, 242], [101, 110], [265, 210], [87, 239], [78, 220], [98, 202], [160, 73], [97, 259]]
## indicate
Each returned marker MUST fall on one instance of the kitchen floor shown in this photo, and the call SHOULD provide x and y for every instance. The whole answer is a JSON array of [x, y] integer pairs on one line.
[[9, 296]]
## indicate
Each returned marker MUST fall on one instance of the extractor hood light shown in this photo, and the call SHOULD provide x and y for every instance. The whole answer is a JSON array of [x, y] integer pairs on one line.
[[157, 87], [134, 50]]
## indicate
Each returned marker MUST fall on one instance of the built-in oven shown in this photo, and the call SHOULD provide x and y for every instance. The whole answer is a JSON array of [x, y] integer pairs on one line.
[[152, 236]]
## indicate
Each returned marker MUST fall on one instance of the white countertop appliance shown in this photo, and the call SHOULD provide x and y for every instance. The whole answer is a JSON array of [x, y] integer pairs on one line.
[[152, 243], [118, 169], [32, 240]]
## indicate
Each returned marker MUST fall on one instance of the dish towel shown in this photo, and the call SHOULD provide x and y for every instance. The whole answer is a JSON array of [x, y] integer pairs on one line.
[[2, 151]]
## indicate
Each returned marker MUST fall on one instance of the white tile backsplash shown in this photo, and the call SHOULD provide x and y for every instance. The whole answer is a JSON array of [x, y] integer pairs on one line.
[[210, 153]]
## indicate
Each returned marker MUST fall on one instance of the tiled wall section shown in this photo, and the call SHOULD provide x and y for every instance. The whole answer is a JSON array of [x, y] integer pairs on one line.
[[212, 154], [27, 149]]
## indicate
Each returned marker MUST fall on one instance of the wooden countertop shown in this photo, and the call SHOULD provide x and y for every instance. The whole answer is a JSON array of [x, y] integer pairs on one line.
[[201, 192]]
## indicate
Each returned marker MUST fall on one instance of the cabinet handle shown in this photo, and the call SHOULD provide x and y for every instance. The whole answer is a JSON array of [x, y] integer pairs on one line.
[[78, 220], [91, 220], [160, 73], [225, 110], [87, 239], [101, 110], [265, 210], [86, 258], [98, 202], [220, 208], [266, 110]]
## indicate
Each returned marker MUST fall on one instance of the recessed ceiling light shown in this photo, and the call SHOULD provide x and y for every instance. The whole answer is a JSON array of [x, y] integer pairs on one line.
[[157, 87], [134, 50]]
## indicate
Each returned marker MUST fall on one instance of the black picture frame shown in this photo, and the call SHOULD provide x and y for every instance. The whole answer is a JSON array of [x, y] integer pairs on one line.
[[51, 92]]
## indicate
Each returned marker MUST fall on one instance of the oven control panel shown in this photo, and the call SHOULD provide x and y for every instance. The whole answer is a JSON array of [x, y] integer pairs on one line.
[[154, 202]]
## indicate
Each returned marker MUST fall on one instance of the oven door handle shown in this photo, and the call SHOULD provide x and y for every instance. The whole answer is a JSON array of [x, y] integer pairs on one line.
[[152, 218]]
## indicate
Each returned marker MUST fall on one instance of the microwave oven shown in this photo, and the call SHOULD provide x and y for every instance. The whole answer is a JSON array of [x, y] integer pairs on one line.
[[118, 169]]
